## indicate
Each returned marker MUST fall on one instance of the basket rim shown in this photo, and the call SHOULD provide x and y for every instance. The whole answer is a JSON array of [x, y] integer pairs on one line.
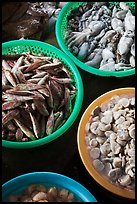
[[79, 63], [74, 186], [78, 101], [82, 147]]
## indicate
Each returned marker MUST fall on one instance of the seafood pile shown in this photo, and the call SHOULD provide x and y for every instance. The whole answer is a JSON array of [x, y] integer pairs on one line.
[[102, 35], [110, 139], [40, 193], [37, 95], [28, 19]]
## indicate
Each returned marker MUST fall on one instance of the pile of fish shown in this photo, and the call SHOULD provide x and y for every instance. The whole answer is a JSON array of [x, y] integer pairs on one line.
[[102, 35], [28, 19], [37, 96]]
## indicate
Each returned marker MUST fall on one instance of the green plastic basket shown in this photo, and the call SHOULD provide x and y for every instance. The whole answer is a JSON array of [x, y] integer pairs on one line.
[[61, 26], [19, 46]]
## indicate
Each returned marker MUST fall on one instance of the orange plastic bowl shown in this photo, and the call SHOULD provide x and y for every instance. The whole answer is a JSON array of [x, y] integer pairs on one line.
[[82, 147]]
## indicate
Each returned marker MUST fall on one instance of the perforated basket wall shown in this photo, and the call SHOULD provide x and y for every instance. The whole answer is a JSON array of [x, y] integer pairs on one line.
[[61, 27], [20, 46]]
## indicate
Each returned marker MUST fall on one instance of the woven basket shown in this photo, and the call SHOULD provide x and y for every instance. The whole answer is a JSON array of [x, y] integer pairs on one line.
[[19, 46], [61, 26]]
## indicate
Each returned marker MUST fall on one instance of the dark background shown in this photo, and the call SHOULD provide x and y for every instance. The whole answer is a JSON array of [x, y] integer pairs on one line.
[[61, 156]]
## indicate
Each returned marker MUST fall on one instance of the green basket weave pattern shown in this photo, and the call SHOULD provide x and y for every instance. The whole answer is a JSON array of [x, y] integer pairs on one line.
[[20, 46], [64, 20], [61, 27], [131, 4]]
